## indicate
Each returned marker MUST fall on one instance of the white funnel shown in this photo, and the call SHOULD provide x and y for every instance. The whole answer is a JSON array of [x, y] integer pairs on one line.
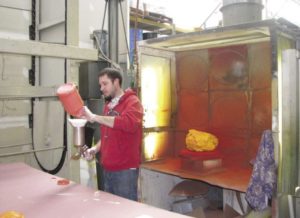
[[78, 122]]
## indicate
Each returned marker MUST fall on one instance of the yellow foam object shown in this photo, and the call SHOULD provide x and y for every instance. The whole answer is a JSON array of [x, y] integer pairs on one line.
[[11, 214], [200, 141]]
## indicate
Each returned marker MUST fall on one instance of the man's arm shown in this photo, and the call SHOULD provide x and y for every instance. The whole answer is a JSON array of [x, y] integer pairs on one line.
[[96, 148], [104, 120]]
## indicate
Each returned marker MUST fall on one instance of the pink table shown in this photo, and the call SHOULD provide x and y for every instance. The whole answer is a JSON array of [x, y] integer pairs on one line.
[[37, 194]]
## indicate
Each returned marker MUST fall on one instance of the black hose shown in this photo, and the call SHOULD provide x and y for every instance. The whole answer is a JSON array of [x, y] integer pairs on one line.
[[32, 34]]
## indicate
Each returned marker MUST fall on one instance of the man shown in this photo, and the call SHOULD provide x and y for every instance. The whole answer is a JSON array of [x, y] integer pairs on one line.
[[121, 135]]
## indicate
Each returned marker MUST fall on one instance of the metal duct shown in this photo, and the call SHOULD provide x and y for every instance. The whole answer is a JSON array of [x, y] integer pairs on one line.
[[113, 25], [241, 11]]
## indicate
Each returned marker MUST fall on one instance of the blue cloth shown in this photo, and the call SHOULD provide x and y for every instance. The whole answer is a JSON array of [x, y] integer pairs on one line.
[[122, 183], [263, 179]]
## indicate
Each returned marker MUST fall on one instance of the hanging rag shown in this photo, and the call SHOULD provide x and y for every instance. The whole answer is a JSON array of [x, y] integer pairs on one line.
[[263, 179]]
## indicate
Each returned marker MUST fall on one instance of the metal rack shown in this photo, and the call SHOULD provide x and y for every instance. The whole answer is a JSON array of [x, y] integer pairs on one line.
[[153, 22]]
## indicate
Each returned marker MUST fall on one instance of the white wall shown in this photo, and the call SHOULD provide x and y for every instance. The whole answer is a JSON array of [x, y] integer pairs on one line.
[[15, 19], [91, 14]]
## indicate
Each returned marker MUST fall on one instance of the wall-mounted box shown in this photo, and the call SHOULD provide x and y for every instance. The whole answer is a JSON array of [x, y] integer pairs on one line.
[[88, 79]]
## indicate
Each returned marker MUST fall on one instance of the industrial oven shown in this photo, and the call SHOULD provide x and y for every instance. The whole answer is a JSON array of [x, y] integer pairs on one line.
[[234, 82]]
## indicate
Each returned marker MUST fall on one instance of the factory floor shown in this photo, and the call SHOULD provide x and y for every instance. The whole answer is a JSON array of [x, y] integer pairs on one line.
[[207, 213]]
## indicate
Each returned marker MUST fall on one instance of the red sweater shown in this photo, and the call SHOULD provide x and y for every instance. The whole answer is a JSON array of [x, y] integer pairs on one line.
[[121, 145]]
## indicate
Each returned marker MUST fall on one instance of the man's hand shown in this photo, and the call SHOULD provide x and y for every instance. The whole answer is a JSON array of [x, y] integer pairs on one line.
[[88, 115], [89, 154]]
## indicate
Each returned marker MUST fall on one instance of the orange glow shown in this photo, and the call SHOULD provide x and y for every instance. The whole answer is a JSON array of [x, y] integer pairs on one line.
[[156, 100], [150, 146]]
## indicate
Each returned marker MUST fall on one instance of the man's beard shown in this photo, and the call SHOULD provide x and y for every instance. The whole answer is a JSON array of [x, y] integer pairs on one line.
[[107, 98]]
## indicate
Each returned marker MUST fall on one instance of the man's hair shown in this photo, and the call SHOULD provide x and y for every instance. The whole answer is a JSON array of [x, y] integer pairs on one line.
[[112, 74]]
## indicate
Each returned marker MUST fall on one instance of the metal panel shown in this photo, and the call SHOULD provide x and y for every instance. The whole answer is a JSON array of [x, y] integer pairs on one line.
[[298, 90], [19, 20], [48, 131], [52, 71], [54, 33], [155, 188], [16, 4], [14, 70], [15, 139], [289, 117], [230, 197], [52, 22], [15, 136], [52, 12], [14, 108]]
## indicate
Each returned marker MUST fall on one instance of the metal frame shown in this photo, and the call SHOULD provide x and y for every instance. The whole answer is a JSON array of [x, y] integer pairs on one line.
[[20, 92], [34, 48], [289, 98], [223, 36]]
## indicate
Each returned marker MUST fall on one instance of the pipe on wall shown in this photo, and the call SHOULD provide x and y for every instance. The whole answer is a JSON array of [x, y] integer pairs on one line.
[[113, 24]]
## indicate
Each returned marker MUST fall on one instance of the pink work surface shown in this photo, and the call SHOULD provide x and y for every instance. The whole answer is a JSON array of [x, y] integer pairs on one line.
[[37, 194]]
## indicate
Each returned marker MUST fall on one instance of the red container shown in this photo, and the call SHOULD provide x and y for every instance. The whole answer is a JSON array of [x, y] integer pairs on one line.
[[70, 99]]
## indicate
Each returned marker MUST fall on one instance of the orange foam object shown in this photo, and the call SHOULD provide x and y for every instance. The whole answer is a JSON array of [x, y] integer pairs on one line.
[[70, 99], [11, 214], [63, 182]]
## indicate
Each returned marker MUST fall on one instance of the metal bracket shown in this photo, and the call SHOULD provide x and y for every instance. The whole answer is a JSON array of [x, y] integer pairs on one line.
[[30, 121], [297, 191], [31, 77]]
